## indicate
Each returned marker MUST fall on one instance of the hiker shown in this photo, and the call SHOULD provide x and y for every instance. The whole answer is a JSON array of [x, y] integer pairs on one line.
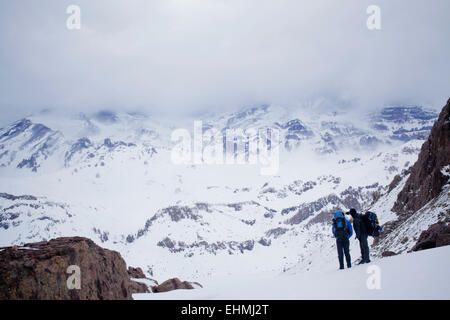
[[342, 230], [360, 225]]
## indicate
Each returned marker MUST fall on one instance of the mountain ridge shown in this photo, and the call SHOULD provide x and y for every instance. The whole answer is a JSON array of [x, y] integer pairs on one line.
[[117, 185]]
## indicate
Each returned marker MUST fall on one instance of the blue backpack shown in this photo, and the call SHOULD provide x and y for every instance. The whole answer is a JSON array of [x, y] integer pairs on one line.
[[372, 224], [340, 228]]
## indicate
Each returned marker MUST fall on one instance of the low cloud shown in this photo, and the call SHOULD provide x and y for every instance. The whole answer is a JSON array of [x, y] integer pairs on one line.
[[189, 56]]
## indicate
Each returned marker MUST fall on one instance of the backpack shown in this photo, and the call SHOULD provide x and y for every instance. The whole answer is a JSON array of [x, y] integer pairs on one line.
[[372, 224], [340, 228]]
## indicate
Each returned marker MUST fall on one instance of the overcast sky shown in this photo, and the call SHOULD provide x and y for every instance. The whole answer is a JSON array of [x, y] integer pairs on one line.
[[189, 56]]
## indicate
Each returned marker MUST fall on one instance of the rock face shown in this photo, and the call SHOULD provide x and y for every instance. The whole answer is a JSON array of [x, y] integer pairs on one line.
[[426, 182], [437, 235], [138, 287], [40, 271], [426, 179], [136, 273], [174, 284]]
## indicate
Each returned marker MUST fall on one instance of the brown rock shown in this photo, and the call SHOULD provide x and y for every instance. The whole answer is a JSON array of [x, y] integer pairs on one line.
[[136, 273], [137, 287], [39, 271], [174, 284], [426, 179], [437, 235], [388, 254], [394, 183]]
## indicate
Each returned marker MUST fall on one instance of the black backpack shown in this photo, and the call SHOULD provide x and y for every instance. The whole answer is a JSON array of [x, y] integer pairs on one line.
[[340, 228], [372, 224]]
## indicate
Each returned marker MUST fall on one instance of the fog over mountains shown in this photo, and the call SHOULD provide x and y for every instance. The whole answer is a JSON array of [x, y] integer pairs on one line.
[[182, 57]]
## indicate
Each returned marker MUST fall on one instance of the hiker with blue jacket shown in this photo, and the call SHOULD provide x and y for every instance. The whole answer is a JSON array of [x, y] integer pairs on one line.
[[342, 231]]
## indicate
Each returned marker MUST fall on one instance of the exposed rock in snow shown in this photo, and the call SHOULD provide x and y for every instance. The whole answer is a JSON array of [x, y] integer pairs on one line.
[[423, 199], [174, 284], [426, 179], [437, 235], [43, 272]]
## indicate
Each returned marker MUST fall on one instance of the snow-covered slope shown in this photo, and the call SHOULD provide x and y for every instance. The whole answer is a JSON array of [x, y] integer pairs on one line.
[[407, 276], [109, 177], [406, 235]]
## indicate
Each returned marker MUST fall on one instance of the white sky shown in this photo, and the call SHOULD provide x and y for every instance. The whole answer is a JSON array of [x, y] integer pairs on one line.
[[187, 56]]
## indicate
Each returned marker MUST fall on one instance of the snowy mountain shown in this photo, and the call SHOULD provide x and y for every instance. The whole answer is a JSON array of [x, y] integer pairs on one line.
[[109, 176]]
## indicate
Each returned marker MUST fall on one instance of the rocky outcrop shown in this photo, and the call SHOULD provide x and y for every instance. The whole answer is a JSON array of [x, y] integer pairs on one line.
[[48, 270], [136, 273], [174, 284], [14, 198], [426, 179], [138, 287], [388, 254], [437, 235]]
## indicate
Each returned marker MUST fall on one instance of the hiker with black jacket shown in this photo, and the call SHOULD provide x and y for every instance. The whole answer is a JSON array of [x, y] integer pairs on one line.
[[360, 224], [342, 230]]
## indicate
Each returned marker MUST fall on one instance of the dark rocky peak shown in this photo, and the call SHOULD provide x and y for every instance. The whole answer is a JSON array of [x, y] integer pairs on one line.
[[38, 132], [16, 129], [293, 125], [11, 197], [427, 178], [114, 144], [80, 144], [401, 114], [406, 135], [437, 235]]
